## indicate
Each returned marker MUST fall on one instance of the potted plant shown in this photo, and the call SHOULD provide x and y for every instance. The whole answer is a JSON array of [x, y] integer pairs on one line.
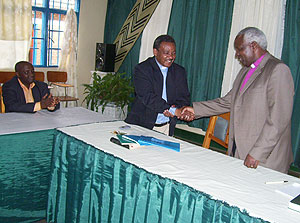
[[112, 90]]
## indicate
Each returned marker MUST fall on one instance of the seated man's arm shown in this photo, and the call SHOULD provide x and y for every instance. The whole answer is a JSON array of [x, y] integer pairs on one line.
[[13, 100], [48, 101]]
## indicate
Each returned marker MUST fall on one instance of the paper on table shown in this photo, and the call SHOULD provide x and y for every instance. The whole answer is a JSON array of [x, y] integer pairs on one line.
[[291, 190], [295, 203]]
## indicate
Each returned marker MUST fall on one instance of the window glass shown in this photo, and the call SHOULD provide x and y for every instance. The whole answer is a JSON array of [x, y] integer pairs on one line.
[[38, 3], [48, 19], [62, 4], [38, 39]]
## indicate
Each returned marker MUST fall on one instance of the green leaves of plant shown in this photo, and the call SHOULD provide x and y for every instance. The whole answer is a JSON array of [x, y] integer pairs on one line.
[[112, 88]]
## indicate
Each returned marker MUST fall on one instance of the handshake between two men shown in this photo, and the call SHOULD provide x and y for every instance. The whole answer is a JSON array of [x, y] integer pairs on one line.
[[185, 113]]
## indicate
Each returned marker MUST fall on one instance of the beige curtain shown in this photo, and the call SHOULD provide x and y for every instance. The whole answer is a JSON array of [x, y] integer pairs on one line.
[[157, 25], [15, 31], [68, 59], [267, 15]]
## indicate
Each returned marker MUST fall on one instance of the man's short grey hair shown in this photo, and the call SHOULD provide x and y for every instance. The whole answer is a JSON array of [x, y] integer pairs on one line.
[[253, 34]]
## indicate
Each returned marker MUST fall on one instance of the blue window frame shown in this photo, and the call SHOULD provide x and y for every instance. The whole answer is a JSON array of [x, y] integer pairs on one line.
[[48, 24]]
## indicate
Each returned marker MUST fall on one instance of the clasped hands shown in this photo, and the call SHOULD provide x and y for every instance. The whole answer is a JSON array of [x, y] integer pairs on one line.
[[48, 101], [185, 113]]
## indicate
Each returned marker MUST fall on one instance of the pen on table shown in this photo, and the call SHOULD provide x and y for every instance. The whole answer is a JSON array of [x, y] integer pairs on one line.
[[276, 182]]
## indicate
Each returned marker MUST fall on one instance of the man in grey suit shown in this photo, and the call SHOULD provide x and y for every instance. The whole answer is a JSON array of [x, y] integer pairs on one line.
[[260, 105]]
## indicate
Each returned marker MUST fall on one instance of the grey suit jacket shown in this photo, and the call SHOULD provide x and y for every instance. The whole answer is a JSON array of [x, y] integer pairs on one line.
[[260, 115]]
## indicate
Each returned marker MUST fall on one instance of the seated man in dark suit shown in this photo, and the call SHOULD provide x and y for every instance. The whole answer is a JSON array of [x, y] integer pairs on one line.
[[24, 94], [160, 88]]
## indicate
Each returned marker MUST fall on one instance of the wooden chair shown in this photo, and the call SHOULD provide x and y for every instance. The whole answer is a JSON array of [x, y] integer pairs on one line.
[[59, 79], [218, 130], [39, 76], [2, 106], [7, 75], [4, 77]]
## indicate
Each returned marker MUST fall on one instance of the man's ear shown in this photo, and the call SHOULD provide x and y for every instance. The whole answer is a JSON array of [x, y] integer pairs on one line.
[[254, 45], [155, 52], [18, 75]]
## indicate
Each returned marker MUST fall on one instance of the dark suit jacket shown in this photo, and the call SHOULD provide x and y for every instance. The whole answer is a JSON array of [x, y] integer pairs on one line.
[[148, 83], [14, 99]]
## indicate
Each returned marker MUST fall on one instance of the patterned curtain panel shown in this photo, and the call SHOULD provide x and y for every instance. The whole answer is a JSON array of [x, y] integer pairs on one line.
[[132, 28], [68, 59], [157, 25], [117, 12], [15, 31], [291, 56], [201, 30]]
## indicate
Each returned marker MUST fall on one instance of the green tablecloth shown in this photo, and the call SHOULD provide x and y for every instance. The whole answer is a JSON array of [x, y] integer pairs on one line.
[[89, 185], [24, 175]]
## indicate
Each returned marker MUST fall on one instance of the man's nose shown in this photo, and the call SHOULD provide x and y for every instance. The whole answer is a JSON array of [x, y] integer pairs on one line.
[[31, 74], [172, 56]]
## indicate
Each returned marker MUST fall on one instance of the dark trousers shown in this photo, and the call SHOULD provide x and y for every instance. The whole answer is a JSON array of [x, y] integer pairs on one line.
[[233, 148]]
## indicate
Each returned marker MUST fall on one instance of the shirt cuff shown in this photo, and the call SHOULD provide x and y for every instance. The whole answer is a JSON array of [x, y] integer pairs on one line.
[[172, 110], [37, 107]]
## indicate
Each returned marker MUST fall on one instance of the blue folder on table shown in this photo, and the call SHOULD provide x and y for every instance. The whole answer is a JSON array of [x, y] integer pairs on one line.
[[148, 140]]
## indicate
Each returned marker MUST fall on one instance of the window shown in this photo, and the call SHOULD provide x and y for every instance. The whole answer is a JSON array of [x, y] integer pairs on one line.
[[48, 24]]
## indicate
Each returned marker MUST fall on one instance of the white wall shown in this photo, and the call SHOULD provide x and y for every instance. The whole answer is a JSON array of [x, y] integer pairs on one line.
[[91, 30]]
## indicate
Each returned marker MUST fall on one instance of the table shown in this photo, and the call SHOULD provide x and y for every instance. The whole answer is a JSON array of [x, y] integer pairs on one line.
[[26, 142], [93, 180], [42, 120]]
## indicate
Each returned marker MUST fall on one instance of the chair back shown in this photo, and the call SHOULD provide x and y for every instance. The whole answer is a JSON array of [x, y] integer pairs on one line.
[[59, 79], [39, 76], [57, 76], [6, 76], [217, 130], [2, 106]]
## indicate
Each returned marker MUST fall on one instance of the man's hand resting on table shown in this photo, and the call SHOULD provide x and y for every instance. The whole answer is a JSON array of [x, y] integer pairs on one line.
[[48, 101]]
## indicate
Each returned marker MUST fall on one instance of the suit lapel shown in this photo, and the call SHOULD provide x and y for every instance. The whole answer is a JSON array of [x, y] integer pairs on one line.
[[157, 76], [256, 74], [170, 79], [238, 82]]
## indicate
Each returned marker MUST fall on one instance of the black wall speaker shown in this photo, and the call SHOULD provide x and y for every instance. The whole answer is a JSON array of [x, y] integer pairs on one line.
[[105, 57]]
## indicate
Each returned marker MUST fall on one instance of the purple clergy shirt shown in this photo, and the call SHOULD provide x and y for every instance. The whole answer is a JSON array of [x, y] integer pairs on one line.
[[251, 71]]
